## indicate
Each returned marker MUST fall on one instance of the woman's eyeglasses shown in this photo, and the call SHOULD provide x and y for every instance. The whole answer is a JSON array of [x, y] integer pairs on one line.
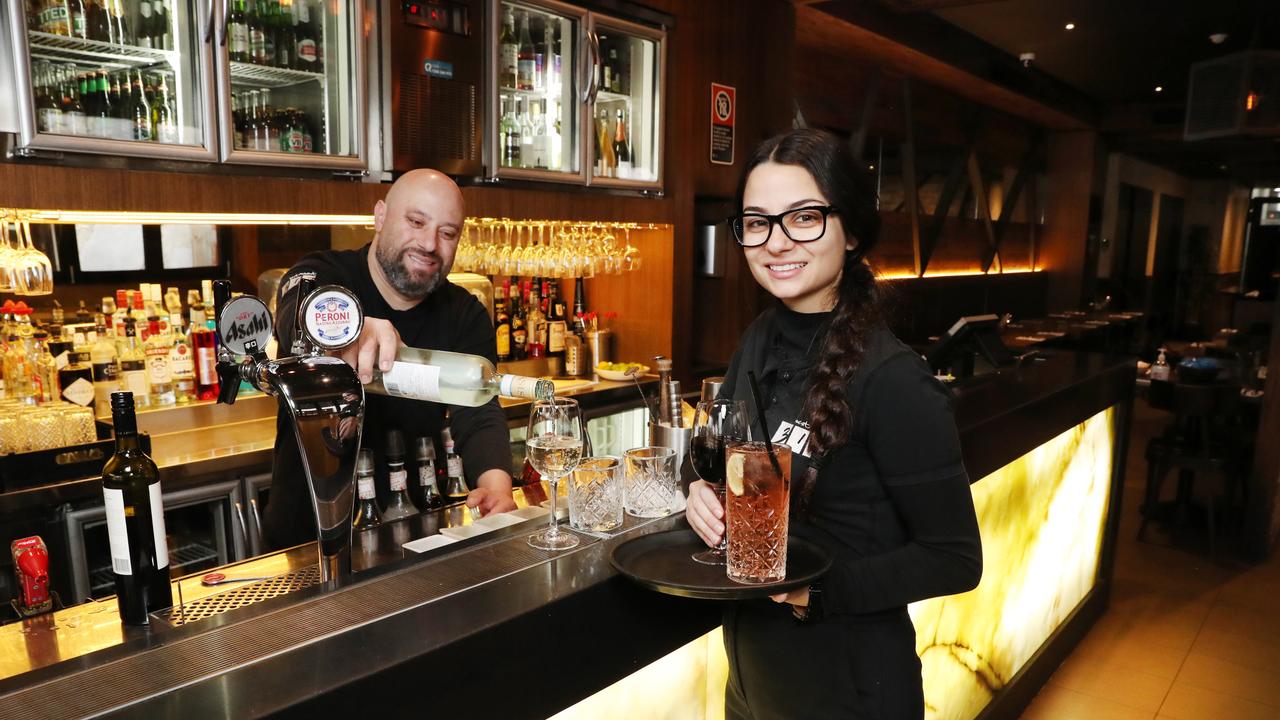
[[800, 225]]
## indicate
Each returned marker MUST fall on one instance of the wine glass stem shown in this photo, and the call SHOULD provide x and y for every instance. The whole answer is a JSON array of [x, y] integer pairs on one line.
[[724, 536], [552, 529]]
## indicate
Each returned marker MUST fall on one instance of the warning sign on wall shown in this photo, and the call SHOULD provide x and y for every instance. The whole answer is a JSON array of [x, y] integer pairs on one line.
[[723, 114]]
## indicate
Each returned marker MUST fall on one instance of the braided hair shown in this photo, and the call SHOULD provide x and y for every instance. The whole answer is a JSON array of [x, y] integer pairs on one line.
[[858, 308]]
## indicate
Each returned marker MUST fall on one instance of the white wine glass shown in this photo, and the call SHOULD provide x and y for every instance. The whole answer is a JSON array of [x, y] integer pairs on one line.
[[554, 447]]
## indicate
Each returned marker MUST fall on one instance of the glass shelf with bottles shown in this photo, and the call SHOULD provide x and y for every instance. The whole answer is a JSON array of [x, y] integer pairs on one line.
[[276, 42], [270, 77], [263, 126], [537, 126], [131, 31], [46, 46], [131, 104]]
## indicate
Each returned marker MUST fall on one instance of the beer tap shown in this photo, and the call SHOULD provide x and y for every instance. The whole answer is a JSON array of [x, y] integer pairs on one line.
[[320, 395]]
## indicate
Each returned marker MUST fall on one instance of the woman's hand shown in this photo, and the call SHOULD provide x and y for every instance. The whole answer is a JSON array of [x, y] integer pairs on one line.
[[799, 598], [704, 512]]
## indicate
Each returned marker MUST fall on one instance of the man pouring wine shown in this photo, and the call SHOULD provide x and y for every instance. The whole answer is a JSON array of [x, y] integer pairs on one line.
[[400, 279]]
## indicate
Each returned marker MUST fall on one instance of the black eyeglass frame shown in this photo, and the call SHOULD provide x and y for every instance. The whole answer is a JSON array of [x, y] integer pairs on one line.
[[735, 223]]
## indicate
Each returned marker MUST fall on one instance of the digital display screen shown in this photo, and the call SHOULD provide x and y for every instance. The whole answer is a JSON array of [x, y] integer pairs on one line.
[[444, 17]]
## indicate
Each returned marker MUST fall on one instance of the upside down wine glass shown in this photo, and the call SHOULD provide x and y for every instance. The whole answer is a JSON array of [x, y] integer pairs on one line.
[[554, 447], [716, 425]]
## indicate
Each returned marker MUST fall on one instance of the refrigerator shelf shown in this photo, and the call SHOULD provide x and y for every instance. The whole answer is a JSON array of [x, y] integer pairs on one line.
[[270, 77], [47, 46], [605, 96]]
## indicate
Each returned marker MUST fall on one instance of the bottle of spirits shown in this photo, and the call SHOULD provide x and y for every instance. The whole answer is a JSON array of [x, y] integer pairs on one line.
[[452, 378], [135, 520], [399, 505], [1160, 368], [182, 365], [106, 372], [17, 372], [556, 324], [44, 369], [455, 486], [367, 514], [159, 368], [502, 323], [133, 366], [519, 330], [424, 454], [525, 66], [537, 323], [76, 380], [621, 147], [204, 346]]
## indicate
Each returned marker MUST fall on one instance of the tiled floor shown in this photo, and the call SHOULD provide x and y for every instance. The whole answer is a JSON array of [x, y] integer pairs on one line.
[[1185, 638]]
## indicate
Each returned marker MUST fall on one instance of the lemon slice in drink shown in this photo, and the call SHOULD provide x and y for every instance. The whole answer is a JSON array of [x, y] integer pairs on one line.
[[733, 474]]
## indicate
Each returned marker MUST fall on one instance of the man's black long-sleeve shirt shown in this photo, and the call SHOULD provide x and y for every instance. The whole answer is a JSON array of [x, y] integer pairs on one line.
[[447, 319]]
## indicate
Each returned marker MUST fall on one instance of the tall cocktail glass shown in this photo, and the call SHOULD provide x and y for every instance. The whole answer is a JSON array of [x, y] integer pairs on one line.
[[757, 500]]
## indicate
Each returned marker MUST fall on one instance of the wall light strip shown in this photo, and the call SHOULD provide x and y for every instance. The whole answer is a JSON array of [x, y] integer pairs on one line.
[[901, 275], [99, 217]]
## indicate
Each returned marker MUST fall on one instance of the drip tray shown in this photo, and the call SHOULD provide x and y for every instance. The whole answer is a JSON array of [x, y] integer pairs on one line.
[[246, 594]]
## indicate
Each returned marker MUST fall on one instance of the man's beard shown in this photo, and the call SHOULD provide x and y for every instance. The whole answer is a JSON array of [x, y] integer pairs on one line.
[[402, 280]]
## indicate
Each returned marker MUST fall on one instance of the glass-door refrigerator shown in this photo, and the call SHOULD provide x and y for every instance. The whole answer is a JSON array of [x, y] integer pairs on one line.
[[537, 91], [625, 104], [291, 83], [117, 77]]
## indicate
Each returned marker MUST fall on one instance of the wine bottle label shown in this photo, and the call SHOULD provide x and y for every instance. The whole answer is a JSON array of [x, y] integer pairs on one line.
[[411, 380], [79, 392], [455, 467], [117, 534], [399, 479], [365, 487], [157, 526], [427, 474], [240, 39]]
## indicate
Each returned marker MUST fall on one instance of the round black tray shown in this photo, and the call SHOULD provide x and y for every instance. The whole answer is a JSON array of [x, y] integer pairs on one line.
[[662, 562]]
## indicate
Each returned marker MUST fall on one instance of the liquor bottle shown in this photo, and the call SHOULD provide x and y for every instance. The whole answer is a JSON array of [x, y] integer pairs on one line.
[[44, 370], [60, 345], [238, 33], [367, 514], [286, 36], [525, 68], [398, 503], [96, 20], [604, 160], [540, 58], [79, 19], [519, 329], [268, 129], [452, 378], [508, 52], [204, 344], [536, 321], [524, 110], [106, 373], [140, 111], [133, 366], [552, 52], [612, 72], [122, 33], [556, 325], [182, 366], [502, 323], [119, 313], [455, 487], [48, 107], [305, 55], [621, 147], [159, 369], [135, 520], [424, 454], [579, 302], [138, 309], [163, 119], [76, 380], [538, 145], [257, 35], [17, 371], [510, 136]]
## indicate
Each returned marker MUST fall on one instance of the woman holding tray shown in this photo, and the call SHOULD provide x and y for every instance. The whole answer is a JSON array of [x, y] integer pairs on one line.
[[878, 478]]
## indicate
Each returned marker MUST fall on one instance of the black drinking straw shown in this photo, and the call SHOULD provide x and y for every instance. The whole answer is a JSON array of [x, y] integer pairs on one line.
[[764, 427]]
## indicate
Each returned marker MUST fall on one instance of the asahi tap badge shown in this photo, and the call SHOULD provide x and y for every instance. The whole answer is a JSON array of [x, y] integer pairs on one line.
[[332, 317], [244, 326]]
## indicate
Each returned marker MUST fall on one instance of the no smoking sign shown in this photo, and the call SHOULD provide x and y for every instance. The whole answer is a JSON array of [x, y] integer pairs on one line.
[[723, 101]]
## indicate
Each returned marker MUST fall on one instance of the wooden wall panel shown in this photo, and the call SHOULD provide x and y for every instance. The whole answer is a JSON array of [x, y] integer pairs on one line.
[[1066, 229], [642, 298]]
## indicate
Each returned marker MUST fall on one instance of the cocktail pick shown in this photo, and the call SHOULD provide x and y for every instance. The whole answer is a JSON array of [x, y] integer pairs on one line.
[[764, 427]]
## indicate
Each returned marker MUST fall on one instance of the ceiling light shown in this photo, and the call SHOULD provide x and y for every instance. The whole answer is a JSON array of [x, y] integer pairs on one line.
[[1071, 26], [1218, 38], [1159, 88]]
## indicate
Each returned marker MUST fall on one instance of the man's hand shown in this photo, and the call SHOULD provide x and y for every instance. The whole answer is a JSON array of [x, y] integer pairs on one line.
[[375, 349], [489, 501]]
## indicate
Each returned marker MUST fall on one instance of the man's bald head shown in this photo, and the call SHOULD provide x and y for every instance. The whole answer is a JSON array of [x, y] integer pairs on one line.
[[418, 227]]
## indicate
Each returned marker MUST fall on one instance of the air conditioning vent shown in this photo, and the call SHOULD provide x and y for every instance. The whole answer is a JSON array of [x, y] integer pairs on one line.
[[435, 119], [1234, 95]]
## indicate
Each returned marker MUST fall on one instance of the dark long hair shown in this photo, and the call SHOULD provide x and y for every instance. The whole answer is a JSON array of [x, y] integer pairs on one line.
[[858, 303]]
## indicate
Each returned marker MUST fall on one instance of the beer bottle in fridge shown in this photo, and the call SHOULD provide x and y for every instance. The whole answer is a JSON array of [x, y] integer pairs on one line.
[[135, 520], [238, 33]]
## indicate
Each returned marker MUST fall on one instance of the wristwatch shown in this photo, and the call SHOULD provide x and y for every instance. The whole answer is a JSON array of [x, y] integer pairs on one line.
[[813, 612]]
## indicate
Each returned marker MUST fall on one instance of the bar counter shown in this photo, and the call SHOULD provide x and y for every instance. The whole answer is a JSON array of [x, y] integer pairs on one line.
[[488, 626]]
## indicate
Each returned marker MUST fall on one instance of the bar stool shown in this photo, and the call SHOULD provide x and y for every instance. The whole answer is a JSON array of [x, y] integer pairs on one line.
[[1204, 440]]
